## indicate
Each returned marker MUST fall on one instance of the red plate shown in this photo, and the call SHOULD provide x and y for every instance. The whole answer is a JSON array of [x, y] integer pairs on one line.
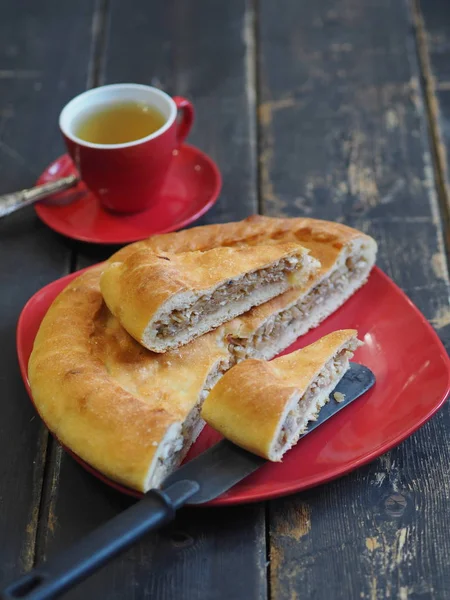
[[191, 188], [413, 379]]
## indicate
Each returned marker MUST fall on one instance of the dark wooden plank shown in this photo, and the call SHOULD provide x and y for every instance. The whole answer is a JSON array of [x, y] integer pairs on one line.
[[333, 113], [39, 71], [343, 135], [203, 52]]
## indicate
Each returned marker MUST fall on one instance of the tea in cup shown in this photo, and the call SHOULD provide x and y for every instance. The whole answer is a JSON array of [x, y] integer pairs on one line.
[[122, 138]]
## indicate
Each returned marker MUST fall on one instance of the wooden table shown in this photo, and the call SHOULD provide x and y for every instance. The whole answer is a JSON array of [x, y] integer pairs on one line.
[[337, 109]]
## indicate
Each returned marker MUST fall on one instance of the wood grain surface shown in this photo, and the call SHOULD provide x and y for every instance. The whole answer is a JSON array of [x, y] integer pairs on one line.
[[343, 135], [332, 109]]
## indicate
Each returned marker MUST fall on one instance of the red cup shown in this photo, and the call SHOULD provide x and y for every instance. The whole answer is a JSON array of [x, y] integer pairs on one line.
[[126, 177]]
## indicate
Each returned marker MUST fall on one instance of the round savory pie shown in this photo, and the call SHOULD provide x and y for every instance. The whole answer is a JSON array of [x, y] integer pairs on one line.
[[132, 413]]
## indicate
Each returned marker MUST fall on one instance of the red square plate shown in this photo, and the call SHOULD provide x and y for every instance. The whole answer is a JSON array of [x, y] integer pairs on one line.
[[412, 372]]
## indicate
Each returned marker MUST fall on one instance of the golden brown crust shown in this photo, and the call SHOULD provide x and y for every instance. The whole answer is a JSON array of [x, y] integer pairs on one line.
[[325, 240], [254, 230], [138, 287], [102, 394], [247, 403], [110, 400]]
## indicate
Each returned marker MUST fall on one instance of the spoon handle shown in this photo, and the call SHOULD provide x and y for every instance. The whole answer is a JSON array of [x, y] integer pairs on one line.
[[12, 202]]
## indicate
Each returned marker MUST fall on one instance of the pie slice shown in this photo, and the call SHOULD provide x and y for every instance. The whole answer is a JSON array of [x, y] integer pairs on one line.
[[165, 300], [346, 258], [264, 407]]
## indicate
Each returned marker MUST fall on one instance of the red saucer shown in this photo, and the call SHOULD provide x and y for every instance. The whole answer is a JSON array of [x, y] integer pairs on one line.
[[412, 373], [191, 188]]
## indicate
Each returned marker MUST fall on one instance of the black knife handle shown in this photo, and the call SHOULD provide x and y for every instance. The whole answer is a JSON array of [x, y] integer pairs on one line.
[[62, 572]]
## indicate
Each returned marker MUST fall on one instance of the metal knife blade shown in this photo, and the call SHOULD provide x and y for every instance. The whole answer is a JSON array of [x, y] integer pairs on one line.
[[223, 465]]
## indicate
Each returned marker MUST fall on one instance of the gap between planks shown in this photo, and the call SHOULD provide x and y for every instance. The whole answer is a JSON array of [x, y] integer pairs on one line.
[[251, 38], [438, 150], [99, 31]]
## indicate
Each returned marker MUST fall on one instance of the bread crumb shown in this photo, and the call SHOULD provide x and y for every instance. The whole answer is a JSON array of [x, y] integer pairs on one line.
[[339, 397]]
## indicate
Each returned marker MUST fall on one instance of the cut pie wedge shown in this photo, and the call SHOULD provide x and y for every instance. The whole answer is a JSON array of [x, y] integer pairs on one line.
[[165, 300], [264, 407], [346, 258]]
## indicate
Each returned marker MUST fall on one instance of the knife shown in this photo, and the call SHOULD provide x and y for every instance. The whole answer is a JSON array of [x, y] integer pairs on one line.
[[202, 479]]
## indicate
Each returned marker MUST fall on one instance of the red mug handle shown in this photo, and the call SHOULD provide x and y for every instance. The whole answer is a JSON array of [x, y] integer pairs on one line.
[[187, 118]]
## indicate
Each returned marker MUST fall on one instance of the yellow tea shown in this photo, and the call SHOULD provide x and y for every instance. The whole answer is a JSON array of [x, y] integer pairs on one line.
[[119, 123]]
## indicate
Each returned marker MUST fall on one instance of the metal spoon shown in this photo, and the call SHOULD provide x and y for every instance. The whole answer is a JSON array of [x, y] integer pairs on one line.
[[9, 203]]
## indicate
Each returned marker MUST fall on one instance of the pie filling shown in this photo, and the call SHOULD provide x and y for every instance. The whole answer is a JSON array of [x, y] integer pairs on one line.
[[308, 406], [355, 268], [276, 325], [230, 292], [175, 450]]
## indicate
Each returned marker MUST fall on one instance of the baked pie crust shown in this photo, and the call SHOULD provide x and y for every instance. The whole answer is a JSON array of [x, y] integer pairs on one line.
[[165, 299], [264, 407], [132, 413]]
